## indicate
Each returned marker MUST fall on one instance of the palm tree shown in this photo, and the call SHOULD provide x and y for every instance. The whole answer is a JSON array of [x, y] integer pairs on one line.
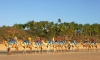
[[71, 29], [59, 20], [87, 30], [95, 29]]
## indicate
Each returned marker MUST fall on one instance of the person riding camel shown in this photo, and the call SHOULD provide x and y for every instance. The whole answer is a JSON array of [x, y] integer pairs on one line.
[[58, 39], [26, 41], [75, 41], [93, 41], [11, 41], [50, 41], [29, 40], [86, 41], [39, 40], [15, 40]]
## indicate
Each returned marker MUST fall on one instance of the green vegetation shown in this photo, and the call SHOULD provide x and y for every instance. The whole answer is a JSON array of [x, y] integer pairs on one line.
[[47, 30]]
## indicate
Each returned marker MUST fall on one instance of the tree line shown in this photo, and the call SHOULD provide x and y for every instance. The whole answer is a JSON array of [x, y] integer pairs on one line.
[[48, 30]]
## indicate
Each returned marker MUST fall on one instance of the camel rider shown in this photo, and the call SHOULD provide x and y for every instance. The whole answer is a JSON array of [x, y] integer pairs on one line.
[[39, 40], [86, 41], [50, 41], [29, 40], [11, 41], [26, 42], [15, 40], [75, 41], [58, 39], [93, 41]]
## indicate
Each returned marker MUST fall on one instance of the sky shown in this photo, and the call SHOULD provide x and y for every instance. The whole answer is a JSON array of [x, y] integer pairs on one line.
[[22, 11]]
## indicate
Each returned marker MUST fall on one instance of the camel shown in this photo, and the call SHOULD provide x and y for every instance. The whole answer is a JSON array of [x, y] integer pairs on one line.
[[87, 46], [48, 46], [9, 46], [25, 46], [62, 47], [51, 45], [38, 48], [56, 46], [73, 46], [94, 46]]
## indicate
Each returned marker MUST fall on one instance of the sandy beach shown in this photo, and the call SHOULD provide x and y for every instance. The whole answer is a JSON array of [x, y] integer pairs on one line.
[[52, 56], [56, 56]]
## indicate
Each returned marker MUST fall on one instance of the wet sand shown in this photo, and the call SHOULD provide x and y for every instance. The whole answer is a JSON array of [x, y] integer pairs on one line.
[[55, 56]]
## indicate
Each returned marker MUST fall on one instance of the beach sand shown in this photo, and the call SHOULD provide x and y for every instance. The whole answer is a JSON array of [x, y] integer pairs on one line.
[[52, 56]]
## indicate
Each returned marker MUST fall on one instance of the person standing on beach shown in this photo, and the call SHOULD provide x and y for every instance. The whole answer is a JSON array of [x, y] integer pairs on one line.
[[9, 49]]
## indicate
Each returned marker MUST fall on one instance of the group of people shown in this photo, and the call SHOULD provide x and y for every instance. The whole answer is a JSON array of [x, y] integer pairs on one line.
[[13, 40], [87, 41], [58, 40], [75, 41], [27, 41]]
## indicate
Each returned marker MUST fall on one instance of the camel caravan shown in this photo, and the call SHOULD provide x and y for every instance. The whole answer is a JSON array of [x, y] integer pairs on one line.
[[52, 45], [90, 45]]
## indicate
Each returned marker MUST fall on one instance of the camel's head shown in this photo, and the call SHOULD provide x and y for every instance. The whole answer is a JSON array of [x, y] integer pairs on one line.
[[43, 41], [5, 43]]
